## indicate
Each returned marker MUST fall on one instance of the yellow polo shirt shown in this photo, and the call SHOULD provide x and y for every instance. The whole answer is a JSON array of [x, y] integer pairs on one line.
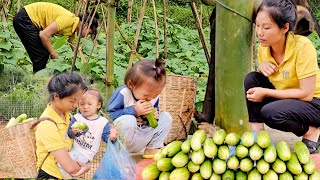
[[300, 61], [42, 14], [50, 138]]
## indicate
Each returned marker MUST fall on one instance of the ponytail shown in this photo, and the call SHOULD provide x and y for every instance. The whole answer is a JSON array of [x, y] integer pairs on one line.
[[159, 67]]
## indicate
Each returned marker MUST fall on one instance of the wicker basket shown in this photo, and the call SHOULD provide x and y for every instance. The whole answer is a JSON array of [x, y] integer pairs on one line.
[[177, 98], [95, 162], [17, 151]]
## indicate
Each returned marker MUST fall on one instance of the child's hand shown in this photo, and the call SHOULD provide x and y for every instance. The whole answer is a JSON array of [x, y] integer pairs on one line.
[[114, 133], [75, 130], [143, 107], [156, 113]]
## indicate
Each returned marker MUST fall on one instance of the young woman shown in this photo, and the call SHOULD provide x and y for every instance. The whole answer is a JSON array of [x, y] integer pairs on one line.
[[52, 140], [284, 93], [37, 22], [129, 104]]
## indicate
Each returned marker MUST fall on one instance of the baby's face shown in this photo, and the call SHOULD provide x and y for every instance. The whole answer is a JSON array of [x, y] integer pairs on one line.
[[89, 105], [147, 91]]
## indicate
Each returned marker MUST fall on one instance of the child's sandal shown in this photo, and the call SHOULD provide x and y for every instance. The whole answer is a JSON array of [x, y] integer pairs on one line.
[[311, 145]]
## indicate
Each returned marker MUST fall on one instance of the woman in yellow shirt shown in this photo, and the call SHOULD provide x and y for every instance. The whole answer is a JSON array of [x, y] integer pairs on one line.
[[52, 140], [37, 22], [284, 93]]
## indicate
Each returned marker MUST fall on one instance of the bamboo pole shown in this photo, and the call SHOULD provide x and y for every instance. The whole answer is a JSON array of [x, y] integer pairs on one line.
[[165, 41], [110, 48], [233, 61], [156, 27], [129, 11], [123, 35], [201, 14], [136, 38], [92, 16], [18, 6], [200, 30], [79, 37], [104, 19], [4, 11]]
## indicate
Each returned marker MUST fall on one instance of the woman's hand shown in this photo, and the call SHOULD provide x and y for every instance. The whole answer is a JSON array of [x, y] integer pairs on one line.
[[54, 55], [267, 68], [143, 107], [83, 169], [256, 94], [114, 133]]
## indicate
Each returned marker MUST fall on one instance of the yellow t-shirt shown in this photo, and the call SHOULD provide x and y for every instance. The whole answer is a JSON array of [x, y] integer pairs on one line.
[[42, 14], [50, 138], [300, 61]]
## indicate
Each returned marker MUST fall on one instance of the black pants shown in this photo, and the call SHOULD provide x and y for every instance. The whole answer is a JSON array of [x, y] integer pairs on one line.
[[29, 35], [44, 175], [290, 115]]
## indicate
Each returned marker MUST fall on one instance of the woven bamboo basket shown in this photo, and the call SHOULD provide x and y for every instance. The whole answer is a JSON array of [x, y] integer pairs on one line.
[[17, 151], [177, 98], [95, 162]]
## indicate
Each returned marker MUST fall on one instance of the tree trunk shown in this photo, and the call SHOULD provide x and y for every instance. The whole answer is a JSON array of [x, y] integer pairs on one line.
[[233, 62], [110, 48], [208, 109]]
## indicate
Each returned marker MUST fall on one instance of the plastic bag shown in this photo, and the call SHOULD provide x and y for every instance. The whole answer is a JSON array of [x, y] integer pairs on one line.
[[116, 163]]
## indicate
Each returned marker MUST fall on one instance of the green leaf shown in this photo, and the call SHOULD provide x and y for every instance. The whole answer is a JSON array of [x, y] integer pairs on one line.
[[60, 42], [5, 34], [5, 45]]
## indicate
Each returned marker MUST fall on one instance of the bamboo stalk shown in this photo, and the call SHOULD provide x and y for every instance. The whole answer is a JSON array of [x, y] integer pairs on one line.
[[92, 16], [201, 14], [110, 48], [165, 43], [94, 43], [79, 37], [18, 6], [129, 11], [127, 40], [156, 28], [104, 19], [136, 38], [200, 30], [4, 11], [233, 62]]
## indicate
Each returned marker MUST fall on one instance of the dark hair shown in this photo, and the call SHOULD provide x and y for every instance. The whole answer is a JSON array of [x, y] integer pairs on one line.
[[281, 11], [137, 74], [94, 23], [65, 84], [96, 93]]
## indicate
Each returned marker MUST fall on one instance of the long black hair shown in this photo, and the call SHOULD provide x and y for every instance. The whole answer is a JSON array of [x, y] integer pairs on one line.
[[281, 11], [94, 23], [65, 84]]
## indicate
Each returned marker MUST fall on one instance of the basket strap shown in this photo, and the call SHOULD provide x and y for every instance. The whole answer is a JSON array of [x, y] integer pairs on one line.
[[36, 123]]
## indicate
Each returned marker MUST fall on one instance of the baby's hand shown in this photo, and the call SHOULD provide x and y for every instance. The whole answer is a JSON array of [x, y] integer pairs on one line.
[[114, 133], [156, 113], [143, 107], [75, 130]]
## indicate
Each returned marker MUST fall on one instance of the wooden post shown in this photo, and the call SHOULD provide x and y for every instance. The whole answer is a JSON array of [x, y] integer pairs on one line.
[[110, 48], [233, 62]]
